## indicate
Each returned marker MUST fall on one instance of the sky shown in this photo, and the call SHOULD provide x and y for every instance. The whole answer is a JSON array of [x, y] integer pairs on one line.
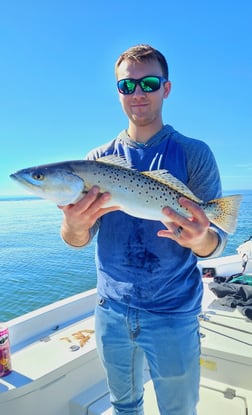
[[58, 96]]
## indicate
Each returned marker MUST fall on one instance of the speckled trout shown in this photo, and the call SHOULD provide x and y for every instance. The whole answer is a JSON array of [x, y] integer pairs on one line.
[[140, 194]]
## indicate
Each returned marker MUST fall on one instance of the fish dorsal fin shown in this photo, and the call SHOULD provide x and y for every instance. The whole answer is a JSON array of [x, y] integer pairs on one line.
[[118, 161], [166, 178]]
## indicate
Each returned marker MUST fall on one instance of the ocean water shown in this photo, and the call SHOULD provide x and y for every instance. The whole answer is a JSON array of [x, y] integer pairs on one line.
[[36, 266]]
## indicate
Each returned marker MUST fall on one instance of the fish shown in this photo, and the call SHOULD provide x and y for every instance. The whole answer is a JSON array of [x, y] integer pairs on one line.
[[140, 194]]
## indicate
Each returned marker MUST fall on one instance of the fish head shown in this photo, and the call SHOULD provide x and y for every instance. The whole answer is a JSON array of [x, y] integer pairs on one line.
[[52, 182]]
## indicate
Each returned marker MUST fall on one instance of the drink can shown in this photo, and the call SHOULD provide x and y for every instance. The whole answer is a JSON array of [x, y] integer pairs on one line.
[[5, 353]]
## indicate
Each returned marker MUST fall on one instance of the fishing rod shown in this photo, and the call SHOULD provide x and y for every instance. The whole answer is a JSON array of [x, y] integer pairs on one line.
[[203, 317], [227, 336]]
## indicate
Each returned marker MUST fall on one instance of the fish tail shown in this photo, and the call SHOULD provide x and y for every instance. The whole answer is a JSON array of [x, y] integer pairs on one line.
[[224, 212]]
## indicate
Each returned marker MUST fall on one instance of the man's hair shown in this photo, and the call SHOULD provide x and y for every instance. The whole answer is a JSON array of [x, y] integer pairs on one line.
[[143, 53]]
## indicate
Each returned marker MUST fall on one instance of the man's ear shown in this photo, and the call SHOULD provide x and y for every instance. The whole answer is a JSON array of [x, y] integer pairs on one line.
[[167, 88]]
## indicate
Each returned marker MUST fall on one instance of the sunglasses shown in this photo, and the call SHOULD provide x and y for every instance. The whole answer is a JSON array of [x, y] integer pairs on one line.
[[147, 84]]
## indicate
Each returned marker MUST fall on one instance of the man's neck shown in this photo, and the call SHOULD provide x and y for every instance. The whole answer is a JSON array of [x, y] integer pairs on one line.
[[142, 134]]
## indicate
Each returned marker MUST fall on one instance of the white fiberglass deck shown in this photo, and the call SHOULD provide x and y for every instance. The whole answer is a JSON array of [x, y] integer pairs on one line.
[[59, 373]]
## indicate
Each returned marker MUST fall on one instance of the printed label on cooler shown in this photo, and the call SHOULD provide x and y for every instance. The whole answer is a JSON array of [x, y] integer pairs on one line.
[[5, 353]]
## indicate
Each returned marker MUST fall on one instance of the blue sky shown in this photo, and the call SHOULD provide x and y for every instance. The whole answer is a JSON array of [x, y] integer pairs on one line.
[[58, 97]]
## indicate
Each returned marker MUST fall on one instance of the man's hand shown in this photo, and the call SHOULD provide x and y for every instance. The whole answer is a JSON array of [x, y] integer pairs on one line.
[[79, 218], [192, 232]]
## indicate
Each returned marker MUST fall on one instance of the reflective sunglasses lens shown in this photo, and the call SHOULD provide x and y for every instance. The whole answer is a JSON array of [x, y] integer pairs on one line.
[[147, 84], [126, 86], [150, 83]]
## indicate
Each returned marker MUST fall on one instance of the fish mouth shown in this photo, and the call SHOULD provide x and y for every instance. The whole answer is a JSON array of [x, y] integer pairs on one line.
[[20, 179], [14, 176]]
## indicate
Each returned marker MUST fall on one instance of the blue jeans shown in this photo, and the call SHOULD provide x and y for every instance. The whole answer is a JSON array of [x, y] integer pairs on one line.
[[171, 346]]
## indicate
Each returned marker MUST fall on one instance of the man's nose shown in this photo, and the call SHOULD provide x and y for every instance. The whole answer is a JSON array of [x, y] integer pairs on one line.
[[138, 90]]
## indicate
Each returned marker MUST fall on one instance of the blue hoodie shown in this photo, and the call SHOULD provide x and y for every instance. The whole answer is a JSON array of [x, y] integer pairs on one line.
[[134, 265]]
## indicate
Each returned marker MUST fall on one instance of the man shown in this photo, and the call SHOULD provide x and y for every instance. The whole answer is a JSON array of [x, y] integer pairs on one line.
[[149, 287]]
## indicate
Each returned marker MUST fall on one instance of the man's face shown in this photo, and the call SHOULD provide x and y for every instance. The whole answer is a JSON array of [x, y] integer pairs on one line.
[[142, 108]]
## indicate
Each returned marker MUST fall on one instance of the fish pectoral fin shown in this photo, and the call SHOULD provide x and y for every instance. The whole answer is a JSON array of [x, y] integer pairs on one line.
[[118, 161], [166, 178]]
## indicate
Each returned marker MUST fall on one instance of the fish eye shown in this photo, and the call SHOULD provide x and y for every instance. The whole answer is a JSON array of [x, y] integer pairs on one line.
[[38, 176]]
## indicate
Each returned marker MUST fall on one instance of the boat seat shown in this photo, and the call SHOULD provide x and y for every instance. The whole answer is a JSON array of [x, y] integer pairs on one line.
[[100, 407], [95, 401], [81, 403]]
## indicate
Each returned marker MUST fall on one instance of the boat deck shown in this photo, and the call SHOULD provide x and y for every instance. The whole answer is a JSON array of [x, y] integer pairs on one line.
[[63, 366]]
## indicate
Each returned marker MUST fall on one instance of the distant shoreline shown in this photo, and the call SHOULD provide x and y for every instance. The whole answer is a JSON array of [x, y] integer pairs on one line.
[[16, 198]]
